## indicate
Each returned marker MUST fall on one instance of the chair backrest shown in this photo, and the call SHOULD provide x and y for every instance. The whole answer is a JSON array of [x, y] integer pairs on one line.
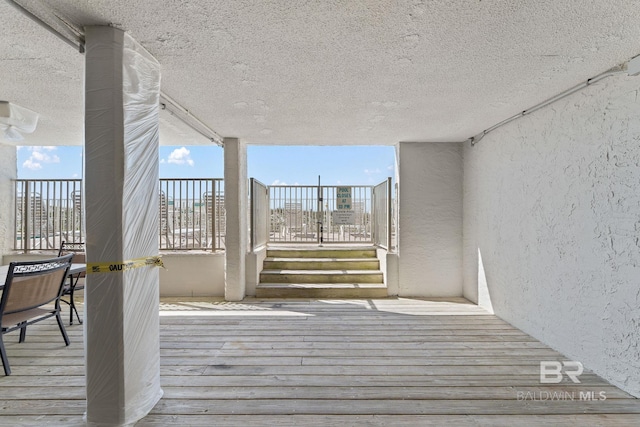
[[31, 284], [75, 248]]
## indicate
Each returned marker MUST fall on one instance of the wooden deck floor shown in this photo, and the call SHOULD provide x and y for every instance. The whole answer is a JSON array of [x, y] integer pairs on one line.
[[388, 362]]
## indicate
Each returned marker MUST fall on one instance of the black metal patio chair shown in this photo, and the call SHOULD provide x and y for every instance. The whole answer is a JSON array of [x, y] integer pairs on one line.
[[31, 293]]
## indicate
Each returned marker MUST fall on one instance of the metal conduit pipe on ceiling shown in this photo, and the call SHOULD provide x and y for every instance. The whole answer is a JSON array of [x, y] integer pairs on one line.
[[620, 69], [76, 40]]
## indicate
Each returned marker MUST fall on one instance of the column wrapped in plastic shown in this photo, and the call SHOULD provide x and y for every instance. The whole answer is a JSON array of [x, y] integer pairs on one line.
[[121, 195]]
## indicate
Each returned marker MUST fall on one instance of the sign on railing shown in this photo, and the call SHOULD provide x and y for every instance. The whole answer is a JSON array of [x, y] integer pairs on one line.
[[344, 213]]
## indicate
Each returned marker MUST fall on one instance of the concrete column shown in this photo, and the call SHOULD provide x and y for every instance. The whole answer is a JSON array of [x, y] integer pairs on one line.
[[430, 219], [122, 87], [237, 213], [8, 171]]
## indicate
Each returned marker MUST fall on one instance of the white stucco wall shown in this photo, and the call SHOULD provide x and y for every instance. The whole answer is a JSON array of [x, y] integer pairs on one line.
[[253, 266], [430, 219], [187, 274], [8, 171], [552, 205], [192, 274]]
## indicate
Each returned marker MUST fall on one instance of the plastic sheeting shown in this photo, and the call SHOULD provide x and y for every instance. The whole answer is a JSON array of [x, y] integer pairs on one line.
[[15, 119], [121, 195]]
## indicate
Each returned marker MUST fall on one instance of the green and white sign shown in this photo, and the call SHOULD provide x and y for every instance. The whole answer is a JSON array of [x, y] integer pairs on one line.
[[343, 199], [344, 213]]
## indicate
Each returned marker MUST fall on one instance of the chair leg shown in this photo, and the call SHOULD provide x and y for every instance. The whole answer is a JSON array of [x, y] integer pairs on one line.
[[62, 329], [77, 314], [23, 332], [3, 356], [71, 307], [72, 303]]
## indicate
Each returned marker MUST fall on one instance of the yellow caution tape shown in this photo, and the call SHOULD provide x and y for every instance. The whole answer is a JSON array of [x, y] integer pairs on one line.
[[116, 267]]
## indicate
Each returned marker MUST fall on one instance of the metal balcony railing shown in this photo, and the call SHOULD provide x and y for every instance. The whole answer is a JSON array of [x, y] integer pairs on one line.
[[191, 211], [310, 213], [192, 214], [383, 230], [259, 219], [46, 213]]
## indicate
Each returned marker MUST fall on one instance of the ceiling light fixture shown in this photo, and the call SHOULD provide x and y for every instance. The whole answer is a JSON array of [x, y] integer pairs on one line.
[[15, 120]]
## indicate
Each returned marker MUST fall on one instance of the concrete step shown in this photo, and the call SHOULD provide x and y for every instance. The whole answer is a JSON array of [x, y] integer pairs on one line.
[[321, 290], [322, 253], [320, 276], [321, 264]]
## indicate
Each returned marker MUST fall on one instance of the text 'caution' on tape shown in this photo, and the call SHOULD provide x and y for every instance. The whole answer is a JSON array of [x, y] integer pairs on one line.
[[116, 267]]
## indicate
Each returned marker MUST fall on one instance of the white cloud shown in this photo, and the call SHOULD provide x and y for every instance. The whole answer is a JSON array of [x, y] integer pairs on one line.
[[181, 156], [30, 164], [39, 156], [278, 182], [372, 171]]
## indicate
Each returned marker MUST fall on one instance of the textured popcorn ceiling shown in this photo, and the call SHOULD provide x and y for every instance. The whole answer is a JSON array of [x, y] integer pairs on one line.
[[327, 72]]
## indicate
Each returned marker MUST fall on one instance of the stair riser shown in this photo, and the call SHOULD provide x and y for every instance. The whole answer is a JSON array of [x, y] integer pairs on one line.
[[320, 293], [322, 265], [322, 253], [320, 278]]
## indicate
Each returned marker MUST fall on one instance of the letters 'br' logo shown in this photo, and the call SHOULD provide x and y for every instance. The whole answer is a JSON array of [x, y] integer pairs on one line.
[[551, 371]]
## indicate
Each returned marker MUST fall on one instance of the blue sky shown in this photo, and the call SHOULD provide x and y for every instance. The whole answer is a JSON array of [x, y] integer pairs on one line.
[[351, 165]]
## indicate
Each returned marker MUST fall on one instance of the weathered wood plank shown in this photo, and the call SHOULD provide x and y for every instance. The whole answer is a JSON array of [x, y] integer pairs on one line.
[[607, 420], [51, 406], [216, 357], [340, 332], [575, 392], [199, 380], [414, 345], [325, 370], [42, 420], [237, 350], [229, 369], [345, 392], [393, 407], [587, 380]]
